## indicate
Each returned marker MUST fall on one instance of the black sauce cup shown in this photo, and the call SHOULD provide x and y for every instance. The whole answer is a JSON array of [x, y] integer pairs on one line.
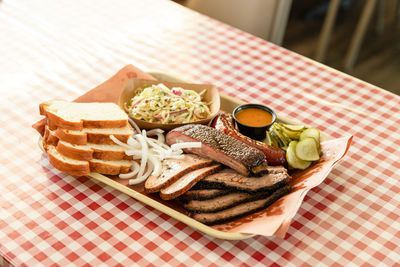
[[256, 133]]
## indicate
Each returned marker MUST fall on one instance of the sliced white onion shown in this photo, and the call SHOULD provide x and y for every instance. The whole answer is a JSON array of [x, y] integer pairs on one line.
[[112, 137], [145, 151], [134, 125], [148, 171], [133, 152], [143, 178], [151, 152], [159, 133], [156, 143], [157, 165], [134, 168], [133, 143], [161, 138]]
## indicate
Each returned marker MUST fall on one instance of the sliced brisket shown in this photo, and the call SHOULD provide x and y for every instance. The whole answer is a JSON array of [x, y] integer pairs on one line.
[[184, 183], [221, 148], [223, 202], [202, 194], [231, 180], [172, 169], [211, 218]]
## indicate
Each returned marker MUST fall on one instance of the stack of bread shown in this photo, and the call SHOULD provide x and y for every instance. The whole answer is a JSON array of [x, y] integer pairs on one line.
[[77, 137]]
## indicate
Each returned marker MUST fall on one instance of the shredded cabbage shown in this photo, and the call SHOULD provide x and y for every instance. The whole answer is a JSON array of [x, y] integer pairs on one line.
[[160, 104]]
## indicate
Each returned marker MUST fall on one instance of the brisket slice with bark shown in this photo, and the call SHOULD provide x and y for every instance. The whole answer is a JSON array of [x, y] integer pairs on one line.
[[231, 180], [202, 194], [223, 202], [240, 210], [221, 148]]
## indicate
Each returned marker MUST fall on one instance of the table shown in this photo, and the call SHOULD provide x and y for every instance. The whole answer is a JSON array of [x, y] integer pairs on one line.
[[60, 49]]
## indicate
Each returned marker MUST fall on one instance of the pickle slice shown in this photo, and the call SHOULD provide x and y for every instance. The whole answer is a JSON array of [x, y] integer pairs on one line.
[[285, 140], [294, 128], [292, 158], [307, 149], [311, 132], [291, 134], [281, 135], [276, 138], [270, 140]]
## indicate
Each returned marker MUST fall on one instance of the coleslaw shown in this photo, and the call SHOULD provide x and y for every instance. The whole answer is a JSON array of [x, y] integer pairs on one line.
[[160, 104]]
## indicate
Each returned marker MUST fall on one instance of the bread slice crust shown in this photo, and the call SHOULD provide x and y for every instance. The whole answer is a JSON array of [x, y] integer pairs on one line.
[[73, 167], [77, 137], [76, 170], [58, 119], [91, 151], [109, 169], [83, 167], [85, 152], [88, 136]]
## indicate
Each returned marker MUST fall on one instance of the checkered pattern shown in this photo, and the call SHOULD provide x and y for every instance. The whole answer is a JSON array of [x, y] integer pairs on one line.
[[59, 49]]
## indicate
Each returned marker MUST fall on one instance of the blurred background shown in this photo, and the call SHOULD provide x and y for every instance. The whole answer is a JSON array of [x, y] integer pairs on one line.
[[359, 37]]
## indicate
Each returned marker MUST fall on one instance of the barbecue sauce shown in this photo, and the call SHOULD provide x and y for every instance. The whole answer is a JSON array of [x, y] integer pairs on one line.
[[254, 117]]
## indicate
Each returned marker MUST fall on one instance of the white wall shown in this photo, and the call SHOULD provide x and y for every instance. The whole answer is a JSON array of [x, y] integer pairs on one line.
[[258, 17]]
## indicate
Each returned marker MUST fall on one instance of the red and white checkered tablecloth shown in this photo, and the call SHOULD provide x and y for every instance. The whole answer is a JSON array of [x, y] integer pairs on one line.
[[59, 49]]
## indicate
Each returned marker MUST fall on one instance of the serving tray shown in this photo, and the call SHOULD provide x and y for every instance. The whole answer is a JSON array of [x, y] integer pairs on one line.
[[228, 103]]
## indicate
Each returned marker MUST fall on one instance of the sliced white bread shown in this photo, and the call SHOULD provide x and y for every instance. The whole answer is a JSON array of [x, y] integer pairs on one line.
[[85, 152], [95, 136], [84, 167], [65, 164], [111, 167], [76, 116], [49, 137], [92, 151], [77, 137]]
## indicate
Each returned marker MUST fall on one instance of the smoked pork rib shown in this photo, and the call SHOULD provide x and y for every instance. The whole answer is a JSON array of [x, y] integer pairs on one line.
[[221, 148]]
